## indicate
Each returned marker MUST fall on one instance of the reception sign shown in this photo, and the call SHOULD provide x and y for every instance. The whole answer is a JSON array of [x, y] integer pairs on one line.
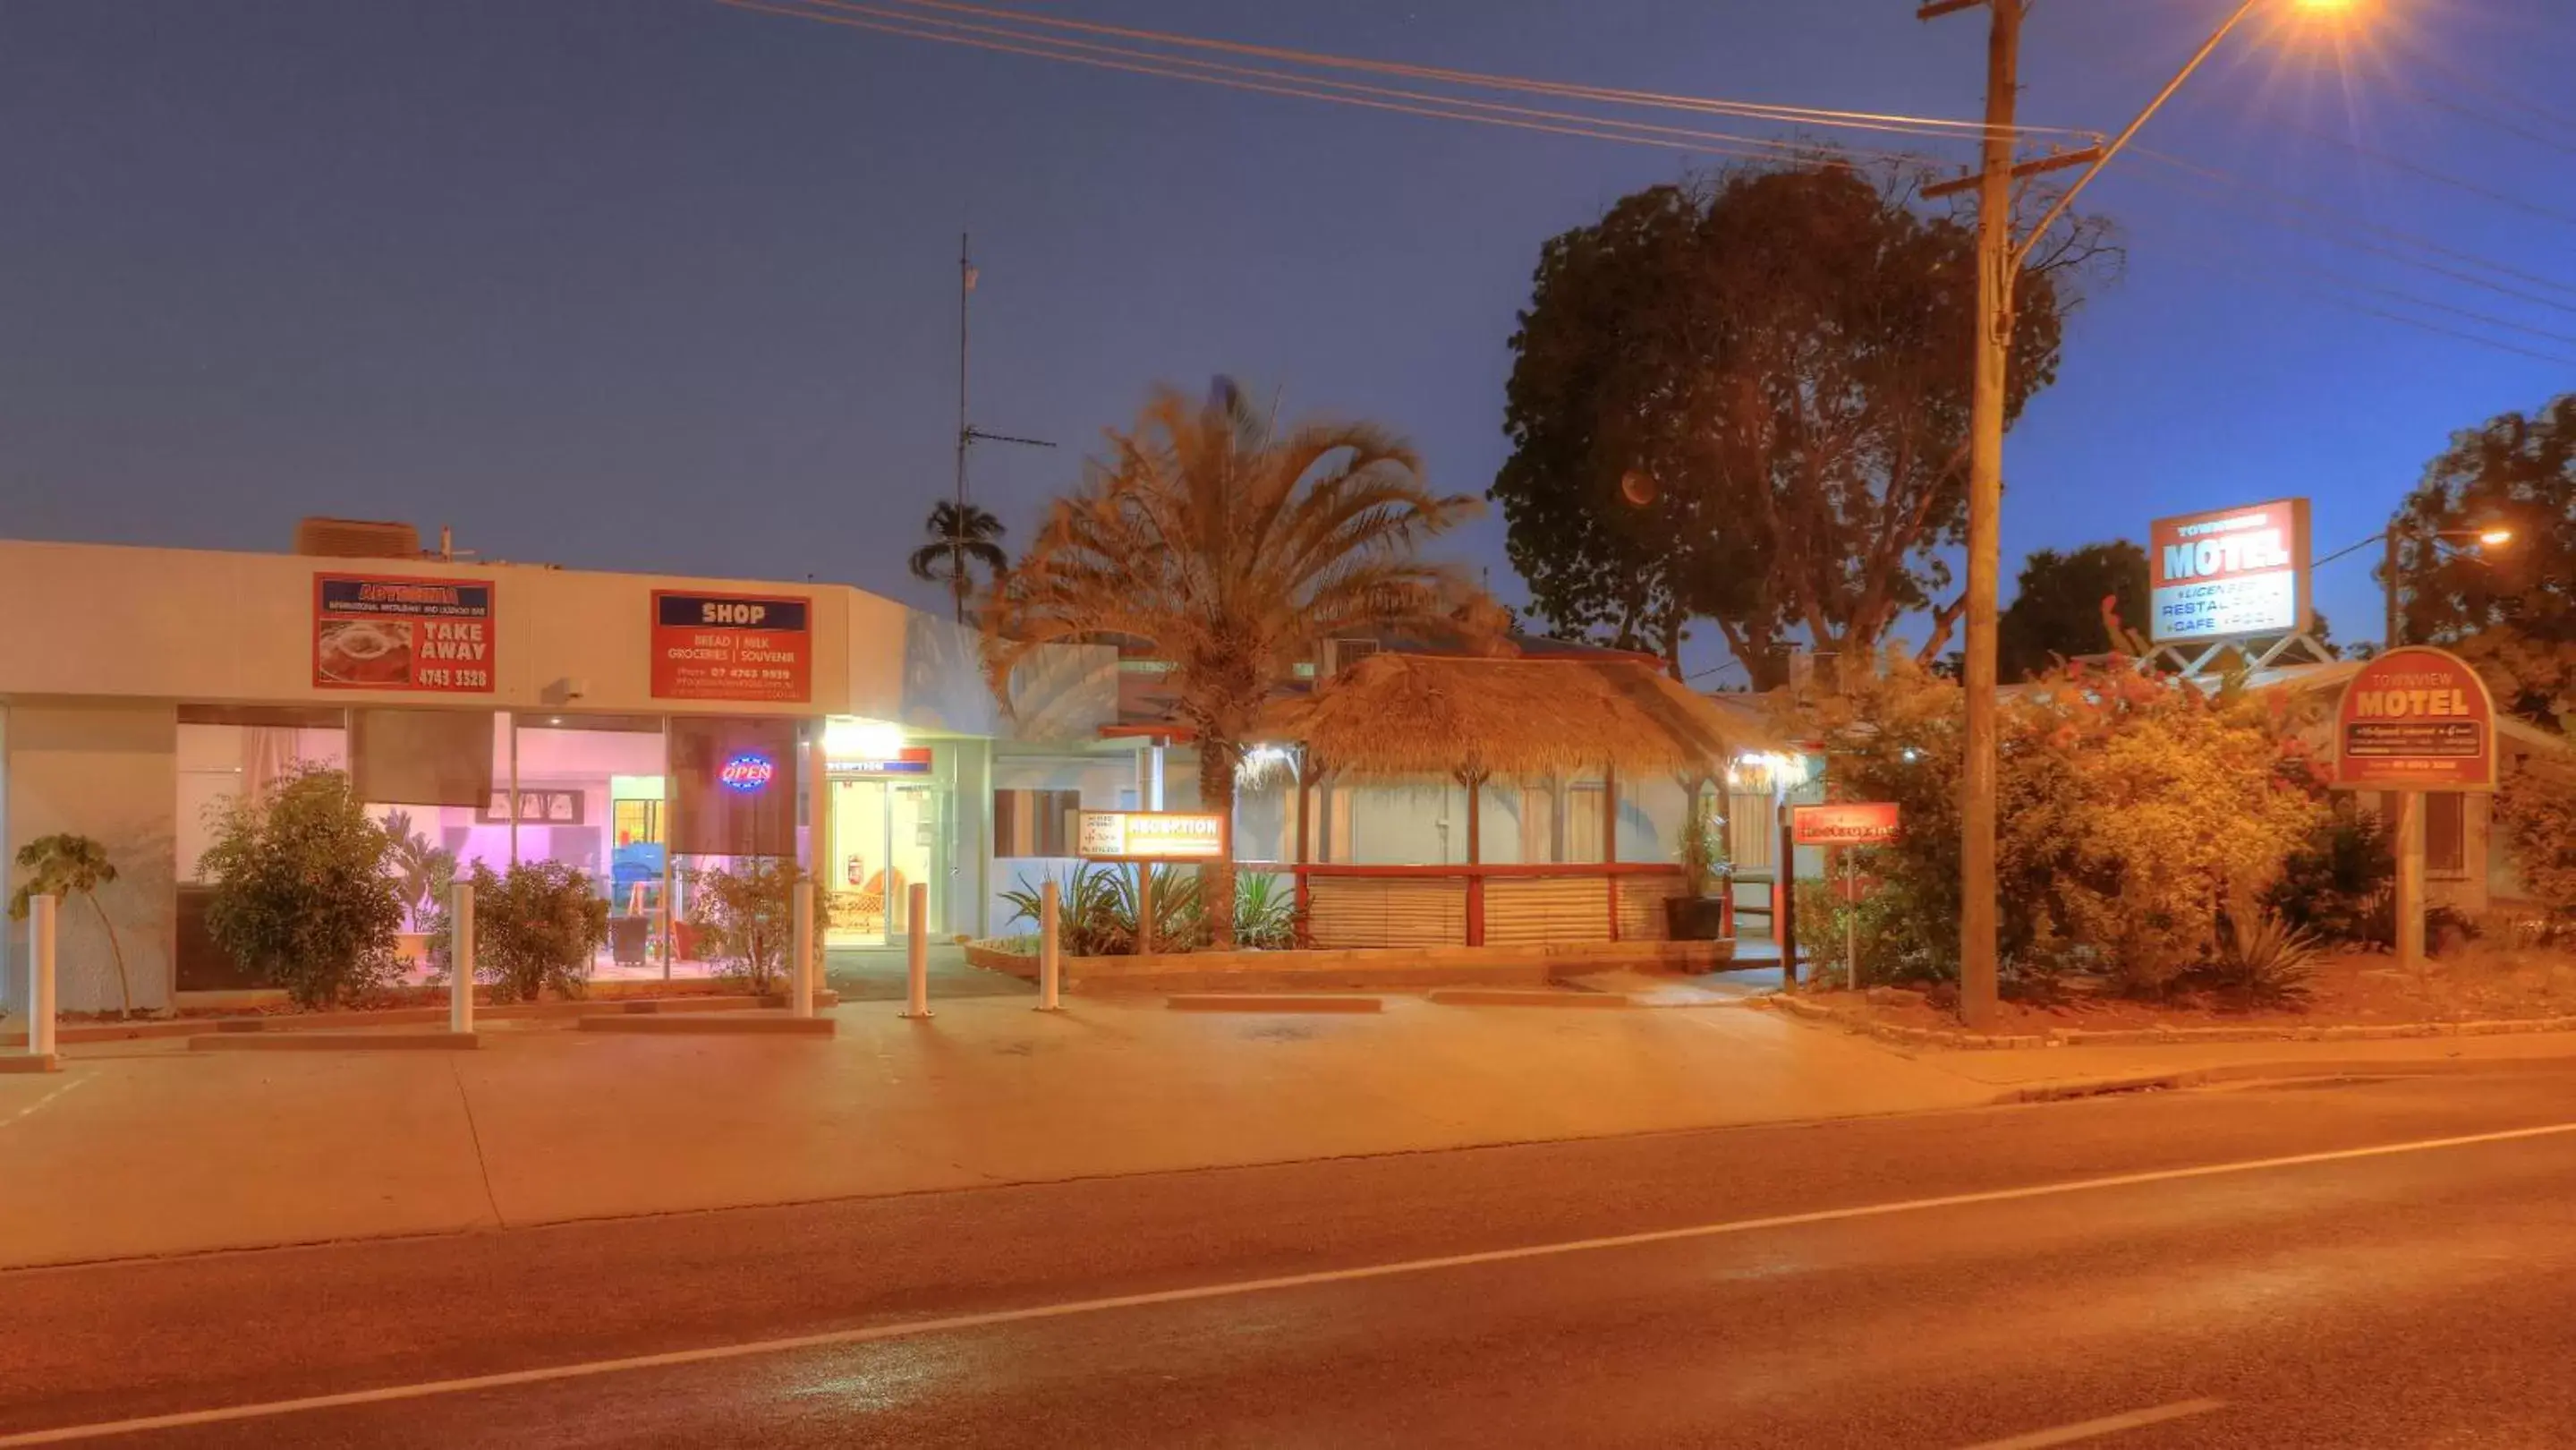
[[379, 632], [732, 647], [2416, 719], [1151, 836], [1852, 823], [2236, 573]]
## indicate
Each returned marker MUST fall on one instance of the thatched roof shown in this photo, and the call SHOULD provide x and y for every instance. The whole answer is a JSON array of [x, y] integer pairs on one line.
[[1401, 715]]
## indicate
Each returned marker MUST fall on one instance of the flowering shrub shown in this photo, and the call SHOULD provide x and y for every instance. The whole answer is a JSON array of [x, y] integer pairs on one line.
[[2132, 813]]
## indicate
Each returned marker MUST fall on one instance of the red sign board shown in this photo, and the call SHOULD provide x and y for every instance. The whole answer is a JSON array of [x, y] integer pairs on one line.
[[732, 647], [379, 632], [1852, 823], [2230, 574], [2416, 719]]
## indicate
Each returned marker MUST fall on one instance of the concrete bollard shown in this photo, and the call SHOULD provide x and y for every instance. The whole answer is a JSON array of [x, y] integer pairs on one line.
[[1050, 948], [40, 975], [460, 957], [917, 950], [800, 970]]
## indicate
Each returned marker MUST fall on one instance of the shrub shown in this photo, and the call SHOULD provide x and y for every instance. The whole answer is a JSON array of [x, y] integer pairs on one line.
[[745, 917], [66, 866], [2338, 886], [2128, 810], [1265, 911], [1096, 907], [301, 893], [537, 928], [2262, 959], [2535, 814]]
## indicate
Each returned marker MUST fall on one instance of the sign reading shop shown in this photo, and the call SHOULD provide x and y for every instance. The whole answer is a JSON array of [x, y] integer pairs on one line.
[[732, 647], [382, 632], [2237, 573]]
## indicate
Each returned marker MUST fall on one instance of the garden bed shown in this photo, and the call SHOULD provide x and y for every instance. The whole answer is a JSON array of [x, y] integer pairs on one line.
[[1521, 965], [2350, 993]]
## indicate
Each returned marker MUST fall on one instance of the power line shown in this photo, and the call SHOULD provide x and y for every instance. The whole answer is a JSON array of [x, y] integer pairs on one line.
[[1442, 108], [889, 21], [2469, 112], [2305, 281], [2444, 178], [1805, 115], [2353, 222]]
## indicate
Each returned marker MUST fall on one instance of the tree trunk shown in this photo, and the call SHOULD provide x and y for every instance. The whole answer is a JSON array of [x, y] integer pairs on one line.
[[124, 992], [1216, 878]]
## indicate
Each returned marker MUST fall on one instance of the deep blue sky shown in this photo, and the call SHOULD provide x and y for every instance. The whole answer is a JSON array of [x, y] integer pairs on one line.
[[654, 284]]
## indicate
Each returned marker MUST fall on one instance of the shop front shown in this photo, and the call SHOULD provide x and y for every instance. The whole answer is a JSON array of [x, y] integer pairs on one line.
[[656, 734]]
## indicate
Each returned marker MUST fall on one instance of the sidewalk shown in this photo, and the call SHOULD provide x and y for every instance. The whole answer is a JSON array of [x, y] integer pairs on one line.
[[145, 1148]]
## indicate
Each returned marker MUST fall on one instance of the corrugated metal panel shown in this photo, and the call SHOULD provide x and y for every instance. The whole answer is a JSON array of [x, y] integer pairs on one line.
[[1641, 906], [1388, 912], [1546, 909]]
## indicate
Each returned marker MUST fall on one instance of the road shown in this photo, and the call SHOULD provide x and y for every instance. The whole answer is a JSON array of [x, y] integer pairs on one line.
[[1949, 1280]]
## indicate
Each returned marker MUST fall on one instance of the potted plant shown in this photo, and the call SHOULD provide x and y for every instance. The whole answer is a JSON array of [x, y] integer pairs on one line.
[[1699, 913]]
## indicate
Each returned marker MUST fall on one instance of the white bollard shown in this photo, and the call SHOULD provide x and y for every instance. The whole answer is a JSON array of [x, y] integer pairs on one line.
[[1050, 949], [460, 957], [40, 975], [917, 950], [800, 969]]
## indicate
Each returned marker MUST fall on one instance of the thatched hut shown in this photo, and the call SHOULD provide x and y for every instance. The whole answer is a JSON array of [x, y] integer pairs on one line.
[[1395, 718]]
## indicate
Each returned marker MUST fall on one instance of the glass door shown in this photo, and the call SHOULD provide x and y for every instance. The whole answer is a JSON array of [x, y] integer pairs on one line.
[[913, 847], [859, 879]]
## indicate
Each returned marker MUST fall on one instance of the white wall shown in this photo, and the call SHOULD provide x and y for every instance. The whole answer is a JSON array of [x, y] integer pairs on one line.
[[111, 772]]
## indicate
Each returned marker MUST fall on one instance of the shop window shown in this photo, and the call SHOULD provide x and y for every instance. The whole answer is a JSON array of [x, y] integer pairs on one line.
[[590, 796], [2446, 834]]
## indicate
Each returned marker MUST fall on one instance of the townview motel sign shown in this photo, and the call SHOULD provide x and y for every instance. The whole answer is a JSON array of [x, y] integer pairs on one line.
[[2416, 719], [2237, 573]]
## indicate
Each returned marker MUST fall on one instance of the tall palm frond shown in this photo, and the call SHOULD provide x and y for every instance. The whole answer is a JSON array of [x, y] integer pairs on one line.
[[961, 542], [1228, 550]]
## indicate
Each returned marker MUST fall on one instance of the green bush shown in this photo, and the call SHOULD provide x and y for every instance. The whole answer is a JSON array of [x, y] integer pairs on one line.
[[1096, 909], [2535, 815], [745, 918], [66, 866], [2338, 886], [536, 929], [302, 896]]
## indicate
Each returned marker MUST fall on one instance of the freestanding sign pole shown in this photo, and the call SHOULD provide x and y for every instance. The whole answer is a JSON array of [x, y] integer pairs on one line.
[[2410, 880]]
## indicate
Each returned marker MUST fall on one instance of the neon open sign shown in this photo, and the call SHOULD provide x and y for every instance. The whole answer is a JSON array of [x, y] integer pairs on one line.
[[747, 772]]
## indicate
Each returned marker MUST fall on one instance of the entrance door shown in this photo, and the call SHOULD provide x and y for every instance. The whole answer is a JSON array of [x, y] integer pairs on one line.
[[885, 836]]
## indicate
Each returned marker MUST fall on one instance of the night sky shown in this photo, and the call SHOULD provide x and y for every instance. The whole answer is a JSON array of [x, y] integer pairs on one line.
[[661, 285]]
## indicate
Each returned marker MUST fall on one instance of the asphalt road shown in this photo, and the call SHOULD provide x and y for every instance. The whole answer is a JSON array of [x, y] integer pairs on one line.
[[1948, 1280]]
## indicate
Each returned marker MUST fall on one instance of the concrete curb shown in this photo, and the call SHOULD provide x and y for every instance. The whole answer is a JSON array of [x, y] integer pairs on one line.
[[2254, 1072], [1270, 1002], [334, 1042], [1527, 997], [2162, 1036], [679, 1024], [29, 1062], [74, 1034]]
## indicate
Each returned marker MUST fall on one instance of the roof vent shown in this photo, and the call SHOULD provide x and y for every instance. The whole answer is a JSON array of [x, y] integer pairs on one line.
[[356, 539]]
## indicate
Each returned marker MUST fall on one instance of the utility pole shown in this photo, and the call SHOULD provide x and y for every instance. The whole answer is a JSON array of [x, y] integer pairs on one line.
[[1996, 268]]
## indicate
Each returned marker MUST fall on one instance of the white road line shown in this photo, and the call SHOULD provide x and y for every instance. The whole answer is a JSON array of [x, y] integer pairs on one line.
[[917, 1327], [2107, 1425], [30, 1109]]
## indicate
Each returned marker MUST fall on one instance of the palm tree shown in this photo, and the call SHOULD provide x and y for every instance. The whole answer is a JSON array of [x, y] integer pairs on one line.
[[961, 541], [1227, 552]]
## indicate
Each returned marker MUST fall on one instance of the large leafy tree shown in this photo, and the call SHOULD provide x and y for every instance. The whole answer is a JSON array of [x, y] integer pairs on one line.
[[1746, 401], [2057, 612], [1227, 550], [963, 539], [2511, 609]]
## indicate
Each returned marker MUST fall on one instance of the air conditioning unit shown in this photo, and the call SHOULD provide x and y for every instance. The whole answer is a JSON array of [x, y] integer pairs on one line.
[[356, 539]]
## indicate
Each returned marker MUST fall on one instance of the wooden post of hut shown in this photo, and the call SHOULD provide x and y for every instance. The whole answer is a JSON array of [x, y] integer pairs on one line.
[[1309, 774], [1610, 839], [1474, 780]]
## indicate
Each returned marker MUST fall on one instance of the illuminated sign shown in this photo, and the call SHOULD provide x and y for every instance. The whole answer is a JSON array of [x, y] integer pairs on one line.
[[2416, 719], [2233, 574], [1151, 836], [1854, 823], [914, 760], [732, 647], [747, 772]]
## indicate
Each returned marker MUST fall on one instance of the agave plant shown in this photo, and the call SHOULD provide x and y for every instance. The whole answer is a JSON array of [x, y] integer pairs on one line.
[[1265, 911], [2264, 958]]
